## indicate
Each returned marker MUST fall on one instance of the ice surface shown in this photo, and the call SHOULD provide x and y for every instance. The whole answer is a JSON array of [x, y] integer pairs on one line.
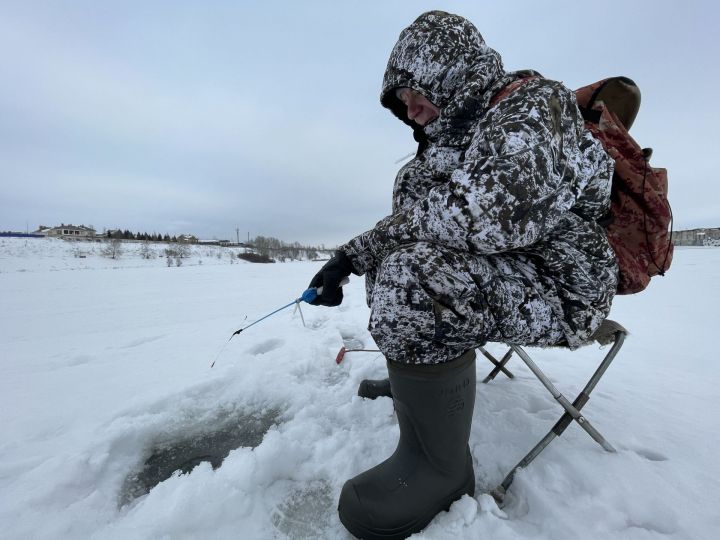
[[106, 389], [305, 512]]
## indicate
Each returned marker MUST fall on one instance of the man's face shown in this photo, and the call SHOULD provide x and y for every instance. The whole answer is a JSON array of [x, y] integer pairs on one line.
[[419, 109]]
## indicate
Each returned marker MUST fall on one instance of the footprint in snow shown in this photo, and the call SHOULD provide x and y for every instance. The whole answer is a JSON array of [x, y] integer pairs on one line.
[[650, 455], [316, 322], [266, 346], [138, 342], [79, 360], [537, 405], [351, 342], [664, 528]]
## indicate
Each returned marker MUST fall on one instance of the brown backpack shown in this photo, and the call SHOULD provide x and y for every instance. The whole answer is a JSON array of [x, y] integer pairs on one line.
[[640, 213], [639, 217]]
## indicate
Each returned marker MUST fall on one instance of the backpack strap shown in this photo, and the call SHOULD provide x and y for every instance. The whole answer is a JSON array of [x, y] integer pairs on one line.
[[505, 91]]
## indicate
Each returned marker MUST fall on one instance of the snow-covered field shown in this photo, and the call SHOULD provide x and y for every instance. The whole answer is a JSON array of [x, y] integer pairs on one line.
[[105, 386], [52, 254]]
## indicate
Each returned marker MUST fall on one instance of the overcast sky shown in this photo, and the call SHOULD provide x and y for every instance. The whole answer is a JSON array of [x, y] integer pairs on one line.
[[203, 117]]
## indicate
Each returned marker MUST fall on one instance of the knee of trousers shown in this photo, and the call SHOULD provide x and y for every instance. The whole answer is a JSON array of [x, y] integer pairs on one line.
[[398, 281], [402, 310]]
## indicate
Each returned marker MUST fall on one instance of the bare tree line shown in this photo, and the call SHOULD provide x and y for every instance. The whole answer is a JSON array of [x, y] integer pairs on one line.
[[273, 248], [260, 249]]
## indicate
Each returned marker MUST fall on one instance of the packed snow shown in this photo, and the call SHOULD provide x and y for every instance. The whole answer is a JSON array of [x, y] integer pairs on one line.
[[106, 389]]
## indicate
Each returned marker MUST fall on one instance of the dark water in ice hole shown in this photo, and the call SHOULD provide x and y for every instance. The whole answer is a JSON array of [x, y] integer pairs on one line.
[[185, 453]]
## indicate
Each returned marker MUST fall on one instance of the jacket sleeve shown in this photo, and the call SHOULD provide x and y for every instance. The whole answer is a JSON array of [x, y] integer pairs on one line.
[[523, 169]]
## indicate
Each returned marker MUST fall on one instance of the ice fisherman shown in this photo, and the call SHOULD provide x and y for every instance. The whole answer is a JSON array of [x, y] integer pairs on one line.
[[492, 237]]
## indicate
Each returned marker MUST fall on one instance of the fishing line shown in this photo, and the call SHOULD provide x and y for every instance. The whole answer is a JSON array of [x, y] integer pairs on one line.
[[307, 296]]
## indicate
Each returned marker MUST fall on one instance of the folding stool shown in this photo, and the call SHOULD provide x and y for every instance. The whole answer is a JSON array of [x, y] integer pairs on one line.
[[609, 332]]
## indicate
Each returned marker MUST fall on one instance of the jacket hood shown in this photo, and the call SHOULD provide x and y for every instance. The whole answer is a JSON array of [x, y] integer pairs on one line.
[[444, 57]]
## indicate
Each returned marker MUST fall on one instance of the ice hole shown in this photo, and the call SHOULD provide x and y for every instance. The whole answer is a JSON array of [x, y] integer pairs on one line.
[[186, 452]]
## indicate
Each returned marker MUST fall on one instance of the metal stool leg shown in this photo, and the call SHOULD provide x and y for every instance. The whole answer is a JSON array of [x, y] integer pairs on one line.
[[499, 365], [572, 411]]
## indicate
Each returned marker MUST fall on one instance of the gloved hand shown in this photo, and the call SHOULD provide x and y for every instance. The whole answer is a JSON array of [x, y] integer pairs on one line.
[[329, 278]]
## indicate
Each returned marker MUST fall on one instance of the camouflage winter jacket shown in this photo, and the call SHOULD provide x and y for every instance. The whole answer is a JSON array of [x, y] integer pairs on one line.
[[522, 176]]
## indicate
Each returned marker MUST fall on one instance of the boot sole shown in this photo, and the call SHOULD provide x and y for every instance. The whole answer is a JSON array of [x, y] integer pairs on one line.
[[398, 533]]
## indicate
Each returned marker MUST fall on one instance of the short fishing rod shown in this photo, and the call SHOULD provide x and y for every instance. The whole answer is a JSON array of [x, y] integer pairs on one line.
[[307, 296]]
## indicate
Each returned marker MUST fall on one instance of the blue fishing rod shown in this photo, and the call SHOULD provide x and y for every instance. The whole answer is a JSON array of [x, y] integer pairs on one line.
[[307, 296]]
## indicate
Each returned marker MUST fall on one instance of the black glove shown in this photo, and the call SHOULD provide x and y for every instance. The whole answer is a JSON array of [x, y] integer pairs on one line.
[[329, 278]]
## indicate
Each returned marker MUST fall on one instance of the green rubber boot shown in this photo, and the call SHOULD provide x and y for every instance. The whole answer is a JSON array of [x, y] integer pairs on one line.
[[371, 388], [431, 467]]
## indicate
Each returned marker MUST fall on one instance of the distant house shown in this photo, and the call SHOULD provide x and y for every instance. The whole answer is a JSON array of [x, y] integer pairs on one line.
[[697, 237], [67, 231], [187, 239]]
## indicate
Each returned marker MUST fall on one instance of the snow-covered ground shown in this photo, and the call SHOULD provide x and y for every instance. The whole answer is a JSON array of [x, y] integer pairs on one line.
[[52, 254], [105, 384]]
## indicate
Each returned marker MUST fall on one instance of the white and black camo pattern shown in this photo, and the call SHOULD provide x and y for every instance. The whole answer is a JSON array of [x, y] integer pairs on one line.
[[493, 235]]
